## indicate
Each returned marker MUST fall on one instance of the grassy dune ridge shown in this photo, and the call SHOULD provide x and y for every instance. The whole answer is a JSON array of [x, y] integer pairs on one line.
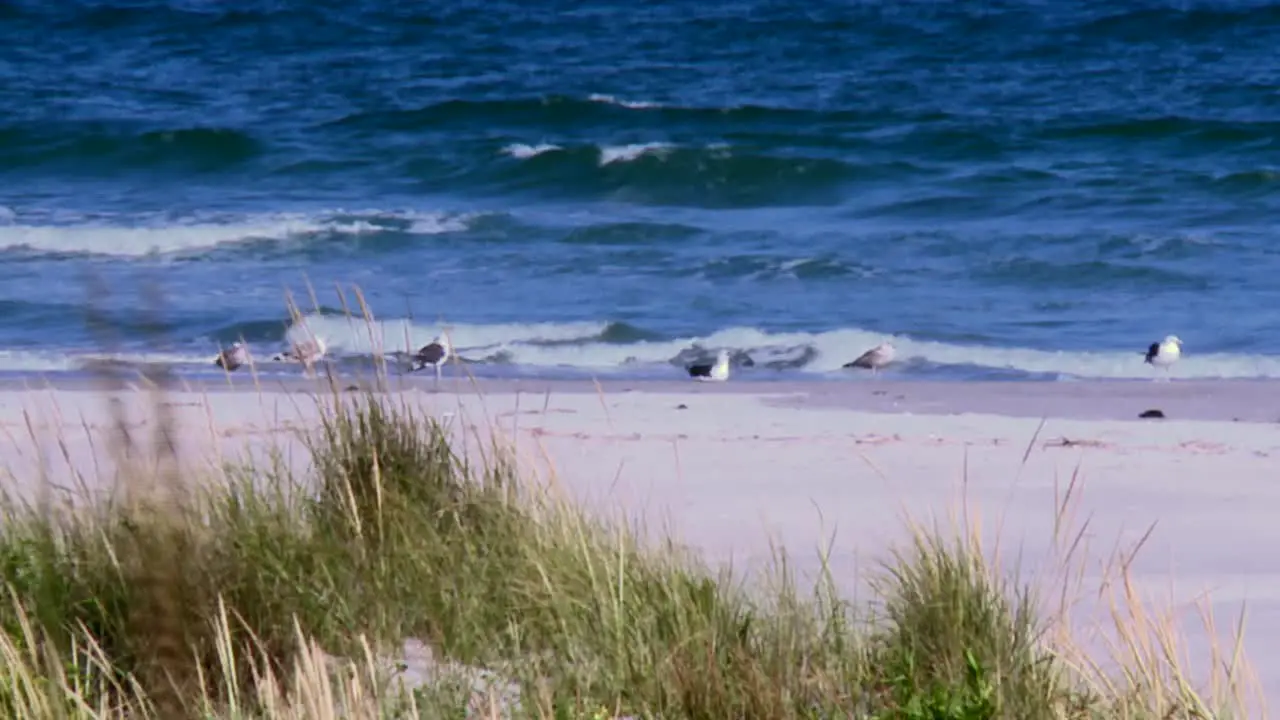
[[401, 579]]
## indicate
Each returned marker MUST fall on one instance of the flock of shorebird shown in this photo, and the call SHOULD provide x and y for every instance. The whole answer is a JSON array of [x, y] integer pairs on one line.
[[434, 354], [718, 371], [439, 351], [1160, 354]]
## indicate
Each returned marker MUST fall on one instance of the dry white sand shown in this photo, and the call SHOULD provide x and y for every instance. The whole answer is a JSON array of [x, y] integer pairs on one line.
[[742, 464]]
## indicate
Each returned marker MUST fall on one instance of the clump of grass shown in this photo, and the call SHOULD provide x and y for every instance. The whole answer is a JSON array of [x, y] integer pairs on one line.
[[958, 640], [494, 572], [376, 461], [137, 580]]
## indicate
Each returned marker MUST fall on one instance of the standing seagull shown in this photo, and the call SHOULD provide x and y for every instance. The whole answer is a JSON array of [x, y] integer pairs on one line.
[[1164, 354], [436, 354], [712, 372], [233, 358], [307, 352], [875, 358]]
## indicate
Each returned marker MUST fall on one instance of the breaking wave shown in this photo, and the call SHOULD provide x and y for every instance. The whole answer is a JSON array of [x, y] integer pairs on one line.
[[142, 236]]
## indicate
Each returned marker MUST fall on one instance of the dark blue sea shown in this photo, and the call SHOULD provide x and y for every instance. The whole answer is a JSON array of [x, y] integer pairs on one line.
[[1020, 190]]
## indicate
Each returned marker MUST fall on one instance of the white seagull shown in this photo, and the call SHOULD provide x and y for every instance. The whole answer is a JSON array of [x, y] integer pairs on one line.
[[712, 372], [233, 357], [1164, 354], [875, 358], [436, 354]]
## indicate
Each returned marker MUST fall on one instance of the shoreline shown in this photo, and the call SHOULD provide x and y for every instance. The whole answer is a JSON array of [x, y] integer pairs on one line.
[[1241, 401]]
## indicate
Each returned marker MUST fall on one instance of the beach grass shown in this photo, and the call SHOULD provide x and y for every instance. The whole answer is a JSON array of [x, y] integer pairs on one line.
[[403, 578]]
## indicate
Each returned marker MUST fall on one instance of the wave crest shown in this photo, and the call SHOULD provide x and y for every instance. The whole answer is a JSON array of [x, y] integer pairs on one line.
[[137, 237]]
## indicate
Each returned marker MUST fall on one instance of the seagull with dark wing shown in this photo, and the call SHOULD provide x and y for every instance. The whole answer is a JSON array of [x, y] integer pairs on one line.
[[875, 358], [717, 371], [435, 353], [1164, 354]]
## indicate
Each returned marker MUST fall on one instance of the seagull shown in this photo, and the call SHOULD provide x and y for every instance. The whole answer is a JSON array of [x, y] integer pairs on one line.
[[307, 352], [875, 358], [712, 372], [233, 357], [436, 354], [1164, 354]]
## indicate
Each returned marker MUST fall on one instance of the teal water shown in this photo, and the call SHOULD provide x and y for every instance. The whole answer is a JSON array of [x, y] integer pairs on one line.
[[1029, 190]]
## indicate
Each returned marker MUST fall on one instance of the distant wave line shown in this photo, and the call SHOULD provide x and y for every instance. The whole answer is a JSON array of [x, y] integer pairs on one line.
[[133, 237]]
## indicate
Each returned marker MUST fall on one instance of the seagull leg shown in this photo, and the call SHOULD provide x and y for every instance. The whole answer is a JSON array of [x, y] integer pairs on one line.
[[437, 376]]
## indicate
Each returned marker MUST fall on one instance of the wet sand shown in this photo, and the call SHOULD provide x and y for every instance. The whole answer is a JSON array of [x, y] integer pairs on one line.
[[1225, 400]]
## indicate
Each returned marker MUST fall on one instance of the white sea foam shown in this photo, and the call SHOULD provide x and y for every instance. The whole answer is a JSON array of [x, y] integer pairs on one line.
[[626, 153], [632, 104], [344, 335], [520, 151], [53, 360], [140, 236], [609, 154]]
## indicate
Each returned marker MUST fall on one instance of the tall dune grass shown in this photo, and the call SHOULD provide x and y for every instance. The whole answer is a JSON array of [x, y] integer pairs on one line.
[[258, 594]]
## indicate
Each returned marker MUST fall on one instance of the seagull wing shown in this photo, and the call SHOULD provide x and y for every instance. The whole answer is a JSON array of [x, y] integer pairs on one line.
[[865, 360], [1152, 352]]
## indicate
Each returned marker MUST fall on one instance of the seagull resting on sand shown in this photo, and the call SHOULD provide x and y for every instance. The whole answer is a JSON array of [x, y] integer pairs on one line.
[[436, 354], [233, 358], [712, 372], [1164, 354], [875, 358]]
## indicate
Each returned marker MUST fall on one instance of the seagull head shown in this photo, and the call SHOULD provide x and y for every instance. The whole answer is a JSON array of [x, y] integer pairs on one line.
[[1173, 340]]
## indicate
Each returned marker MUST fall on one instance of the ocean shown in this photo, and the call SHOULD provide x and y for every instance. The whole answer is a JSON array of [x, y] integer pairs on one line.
[[1028, 190]]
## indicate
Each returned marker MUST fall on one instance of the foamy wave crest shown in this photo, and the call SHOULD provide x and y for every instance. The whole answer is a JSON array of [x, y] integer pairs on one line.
[[632, 104], [354, 336], [141, 236], [610, 154], [594, 346], [520, 151], [36, 361]]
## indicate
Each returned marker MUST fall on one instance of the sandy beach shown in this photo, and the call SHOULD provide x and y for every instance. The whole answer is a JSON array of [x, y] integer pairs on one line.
[[730, 468]]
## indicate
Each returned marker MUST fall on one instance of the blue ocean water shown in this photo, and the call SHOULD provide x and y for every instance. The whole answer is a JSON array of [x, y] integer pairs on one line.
[[1025, 190]]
